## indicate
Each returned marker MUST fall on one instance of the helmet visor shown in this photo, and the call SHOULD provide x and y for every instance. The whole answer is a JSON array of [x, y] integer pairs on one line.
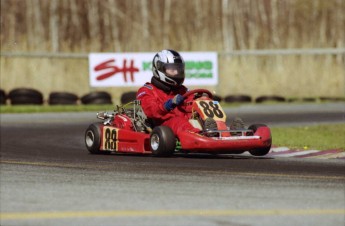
[[175, 70]]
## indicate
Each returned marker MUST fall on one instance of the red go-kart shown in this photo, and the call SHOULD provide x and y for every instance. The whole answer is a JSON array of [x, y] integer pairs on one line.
[[128, 130]]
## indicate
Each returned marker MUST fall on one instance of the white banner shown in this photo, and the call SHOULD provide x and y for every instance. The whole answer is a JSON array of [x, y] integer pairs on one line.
[[134, 69]]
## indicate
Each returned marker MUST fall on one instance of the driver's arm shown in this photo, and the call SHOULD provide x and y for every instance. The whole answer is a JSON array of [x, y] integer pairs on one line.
[[151, 105]]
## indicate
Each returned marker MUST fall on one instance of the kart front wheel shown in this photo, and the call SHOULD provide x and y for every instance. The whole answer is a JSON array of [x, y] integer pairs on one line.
[[93, 138], [162, 141], [259, 151]]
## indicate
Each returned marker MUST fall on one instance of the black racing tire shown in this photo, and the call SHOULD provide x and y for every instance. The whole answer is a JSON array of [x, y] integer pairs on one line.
[[93, 138], [274, 98], [238, 99], [162, 141], [3, 97], [100, 97], [25, 96], [63, 98], [128, 97], [259, 151]]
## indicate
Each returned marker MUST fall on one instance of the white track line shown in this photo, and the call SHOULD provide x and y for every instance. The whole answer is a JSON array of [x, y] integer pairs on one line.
[[297, 153], [279, 149]]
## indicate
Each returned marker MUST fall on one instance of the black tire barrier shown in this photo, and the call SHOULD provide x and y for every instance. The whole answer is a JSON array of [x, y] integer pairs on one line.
[[274, 98], [304, 99], [62, 98], [100, 101], [309, 99], [332, 99], [128, 97], [293, 99], [3, 97], [100, 97], [217, 98], [25, 96], [238, 99], [24, 100]]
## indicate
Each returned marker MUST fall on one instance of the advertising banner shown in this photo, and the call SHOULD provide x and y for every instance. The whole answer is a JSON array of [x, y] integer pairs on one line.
[[134, 69]]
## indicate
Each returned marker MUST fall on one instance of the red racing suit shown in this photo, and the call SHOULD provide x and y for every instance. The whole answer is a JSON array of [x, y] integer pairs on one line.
[[152, 102]]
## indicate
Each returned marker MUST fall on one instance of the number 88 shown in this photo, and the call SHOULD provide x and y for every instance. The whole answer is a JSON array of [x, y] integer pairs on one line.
[[211, 109]]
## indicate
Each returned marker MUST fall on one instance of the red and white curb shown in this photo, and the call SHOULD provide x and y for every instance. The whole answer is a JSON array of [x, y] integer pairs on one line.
[[325, 154]]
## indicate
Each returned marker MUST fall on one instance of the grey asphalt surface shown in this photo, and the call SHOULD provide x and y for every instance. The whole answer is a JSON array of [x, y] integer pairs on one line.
[[48, 178]]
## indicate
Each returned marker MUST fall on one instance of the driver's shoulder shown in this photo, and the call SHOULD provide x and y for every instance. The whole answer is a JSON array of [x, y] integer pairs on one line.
[[147, 90], [148, 86]]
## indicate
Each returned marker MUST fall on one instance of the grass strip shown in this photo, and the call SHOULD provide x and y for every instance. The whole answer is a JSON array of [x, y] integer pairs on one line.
[[318, 137]]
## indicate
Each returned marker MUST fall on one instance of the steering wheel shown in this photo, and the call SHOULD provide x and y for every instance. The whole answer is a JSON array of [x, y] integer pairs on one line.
[[198, 91], [189, 93]]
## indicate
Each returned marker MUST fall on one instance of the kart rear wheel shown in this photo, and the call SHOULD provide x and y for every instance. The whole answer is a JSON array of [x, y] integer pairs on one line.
[[259, 151], [93, 138], [162, 141]]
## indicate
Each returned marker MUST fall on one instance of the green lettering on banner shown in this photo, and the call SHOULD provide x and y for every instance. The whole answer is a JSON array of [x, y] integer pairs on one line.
[[146, 66], [208, 65], [198, 65], [194, 69], [199, 75]]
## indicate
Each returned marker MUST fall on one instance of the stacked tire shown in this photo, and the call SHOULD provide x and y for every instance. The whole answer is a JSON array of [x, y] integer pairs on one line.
[[100, 97], [238, 99], [3, 97], [25, 96], [273, 98], [128, 97], [217, 98], [62, 98]]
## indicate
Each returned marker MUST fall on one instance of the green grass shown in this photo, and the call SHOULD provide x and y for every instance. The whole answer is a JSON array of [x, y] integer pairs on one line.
[[319, 137]]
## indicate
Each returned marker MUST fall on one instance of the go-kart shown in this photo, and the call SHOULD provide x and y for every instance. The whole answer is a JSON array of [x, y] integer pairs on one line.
[[128, 130]]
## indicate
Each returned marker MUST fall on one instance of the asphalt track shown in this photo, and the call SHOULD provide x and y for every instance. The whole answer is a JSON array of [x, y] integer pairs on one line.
[[48, 178]]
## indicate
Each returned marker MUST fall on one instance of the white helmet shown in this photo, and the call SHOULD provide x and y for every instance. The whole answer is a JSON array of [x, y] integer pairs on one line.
[[168, 59]]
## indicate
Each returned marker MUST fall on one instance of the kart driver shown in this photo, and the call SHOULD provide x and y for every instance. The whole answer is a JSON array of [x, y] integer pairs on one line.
[[160, 98]]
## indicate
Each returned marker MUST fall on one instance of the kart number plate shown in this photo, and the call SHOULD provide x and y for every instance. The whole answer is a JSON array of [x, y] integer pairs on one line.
[[211, 109], [109, 139]]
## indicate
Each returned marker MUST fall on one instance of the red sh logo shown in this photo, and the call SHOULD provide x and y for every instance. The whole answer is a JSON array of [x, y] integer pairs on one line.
[[114, 70]]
